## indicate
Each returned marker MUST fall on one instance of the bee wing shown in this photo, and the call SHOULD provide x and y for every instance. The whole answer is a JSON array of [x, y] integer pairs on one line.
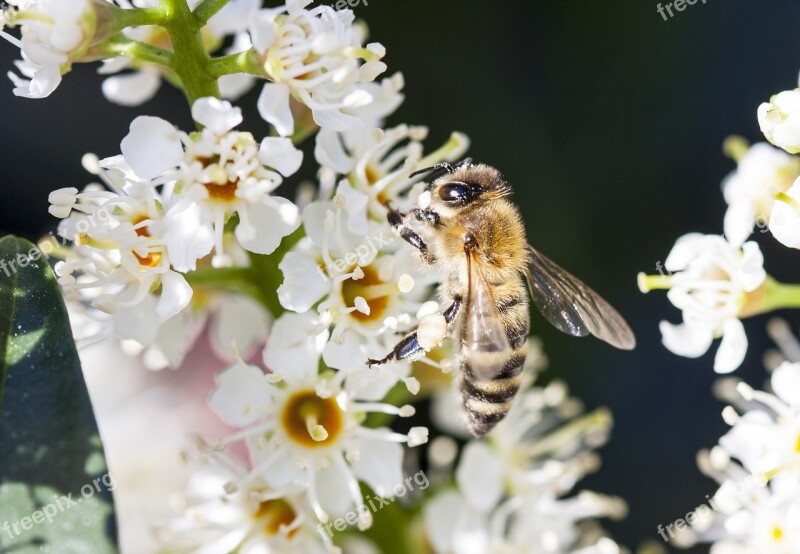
[[484, 338], [571, 305]]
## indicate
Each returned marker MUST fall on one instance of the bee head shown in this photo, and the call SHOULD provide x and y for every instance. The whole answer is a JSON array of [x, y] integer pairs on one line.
[[469, 185]]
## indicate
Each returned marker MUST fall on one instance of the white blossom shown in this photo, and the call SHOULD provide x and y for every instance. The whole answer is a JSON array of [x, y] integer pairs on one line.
[[252, 519], [317, 57], [779, 120], [306, 429], [211, 175], [785, 219], [750, 190], [53, 35], [709, 282], [512, 485]]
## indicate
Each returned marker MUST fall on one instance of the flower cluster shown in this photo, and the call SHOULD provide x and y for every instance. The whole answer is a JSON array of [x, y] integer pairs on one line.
[[716, 281], [188, 230], [757, 463], [511, 488]]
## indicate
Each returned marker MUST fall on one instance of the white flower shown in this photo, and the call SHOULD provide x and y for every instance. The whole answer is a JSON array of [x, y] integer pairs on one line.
[[762, 172], [54, 34], [785, 219], [744, 515], [314, 56], [253, 519], [212, 175], [304, 428], [711, 285], [512, 485], [779, 120], [119, 258], [766, 438]]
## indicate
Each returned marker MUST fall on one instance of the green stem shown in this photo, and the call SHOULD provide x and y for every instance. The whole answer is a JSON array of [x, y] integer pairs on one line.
[[190, 61], [207, 9], [780, 295], [139, 16], [241, 62], [120, 45]]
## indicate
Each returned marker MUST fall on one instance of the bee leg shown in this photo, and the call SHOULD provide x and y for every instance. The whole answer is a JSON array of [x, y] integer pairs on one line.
[[409, 347], [406, 348], [427, 216]]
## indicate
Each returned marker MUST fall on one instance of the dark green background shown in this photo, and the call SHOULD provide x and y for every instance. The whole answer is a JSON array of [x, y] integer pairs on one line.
[[608, 122]]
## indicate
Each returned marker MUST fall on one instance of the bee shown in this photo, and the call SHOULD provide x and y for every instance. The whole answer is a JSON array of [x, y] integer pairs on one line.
[[468, 231]]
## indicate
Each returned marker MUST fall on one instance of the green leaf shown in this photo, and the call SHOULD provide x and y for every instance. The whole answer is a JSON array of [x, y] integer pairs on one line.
[[55, 490]]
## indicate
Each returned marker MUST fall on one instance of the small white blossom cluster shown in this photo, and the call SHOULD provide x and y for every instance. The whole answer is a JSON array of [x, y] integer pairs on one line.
[[716, 281], [513, 488], [191, 230], [757, 463]]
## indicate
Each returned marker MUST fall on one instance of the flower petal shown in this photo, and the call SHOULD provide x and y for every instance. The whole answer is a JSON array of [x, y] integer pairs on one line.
[[293, 346], [175, 294], [379, 464], [240, 320], [304, 283], [132, 89], [480, 476], [733, 347], [786, 382], [690, 341], [220, 116], [273, 105], [152, 146], [263, 226], [239, 387], [281, 155]]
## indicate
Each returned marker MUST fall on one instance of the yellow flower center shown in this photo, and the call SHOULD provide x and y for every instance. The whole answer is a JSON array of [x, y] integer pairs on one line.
[[153, 258], [376, 292], [222, 193], [311, 421], [777, 533], [276, 514]]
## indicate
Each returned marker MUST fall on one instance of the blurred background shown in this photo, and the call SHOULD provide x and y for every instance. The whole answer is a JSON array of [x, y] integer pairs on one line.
[[607, 120]]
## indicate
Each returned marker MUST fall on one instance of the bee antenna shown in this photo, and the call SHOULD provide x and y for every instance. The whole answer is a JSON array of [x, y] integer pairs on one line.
[[442, 168]]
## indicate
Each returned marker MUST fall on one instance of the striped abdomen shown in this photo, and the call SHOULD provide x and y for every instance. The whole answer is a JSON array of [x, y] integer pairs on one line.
[[487, 399]]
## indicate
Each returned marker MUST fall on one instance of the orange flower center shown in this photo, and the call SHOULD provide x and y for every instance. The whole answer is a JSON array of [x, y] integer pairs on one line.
[[153, 258], [373, 290], [276, 514], [311, 421]]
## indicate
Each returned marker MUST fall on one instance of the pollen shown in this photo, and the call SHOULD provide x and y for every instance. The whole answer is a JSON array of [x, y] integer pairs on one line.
[[311, 421], [222, 193], [777, 533], [276, 514], [371, 288], [151, 260]]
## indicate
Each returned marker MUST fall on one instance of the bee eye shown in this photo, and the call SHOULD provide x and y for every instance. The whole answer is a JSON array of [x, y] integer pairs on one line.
[[456, 193]]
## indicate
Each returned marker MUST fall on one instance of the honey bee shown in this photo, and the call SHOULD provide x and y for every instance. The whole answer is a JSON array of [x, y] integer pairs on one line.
[[472, 235]]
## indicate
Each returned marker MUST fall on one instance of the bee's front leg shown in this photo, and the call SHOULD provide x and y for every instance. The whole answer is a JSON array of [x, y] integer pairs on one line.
[[409, 347], [396, 219]]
